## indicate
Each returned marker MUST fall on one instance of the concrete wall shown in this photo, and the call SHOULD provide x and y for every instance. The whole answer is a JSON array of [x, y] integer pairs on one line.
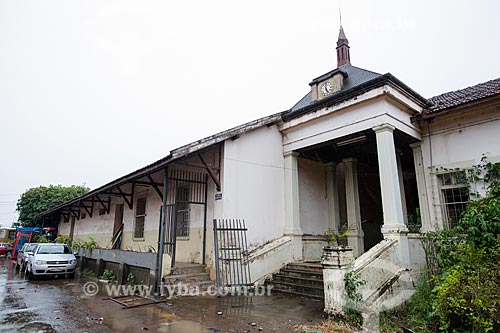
[[312, 196], [252, 185], [418, 262], [269, 258], [457, 140], [141, 264]]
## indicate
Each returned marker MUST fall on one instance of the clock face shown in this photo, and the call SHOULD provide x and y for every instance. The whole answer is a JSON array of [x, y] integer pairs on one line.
[[326, 88]]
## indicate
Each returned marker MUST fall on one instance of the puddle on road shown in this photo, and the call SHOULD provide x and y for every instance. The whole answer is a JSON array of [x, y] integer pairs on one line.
[[154, 318], [37, 327]]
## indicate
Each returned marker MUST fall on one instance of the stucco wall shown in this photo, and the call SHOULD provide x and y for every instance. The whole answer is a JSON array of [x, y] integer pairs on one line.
[[457, 140], [312, 196], [189, 249], [100, 227], [252, 185]]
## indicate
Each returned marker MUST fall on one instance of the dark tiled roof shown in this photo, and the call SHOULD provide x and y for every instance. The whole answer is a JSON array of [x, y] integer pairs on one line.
[[355, 77], [463, 96]]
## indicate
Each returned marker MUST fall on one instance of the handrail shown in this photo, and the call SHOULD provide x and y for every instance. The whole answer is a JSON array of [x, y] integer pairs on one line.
[[372, 254]]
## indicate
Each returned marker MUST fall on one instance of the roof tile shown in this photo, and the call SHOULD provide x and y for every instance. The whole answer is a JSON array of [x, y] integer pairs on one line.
[[463, 96]]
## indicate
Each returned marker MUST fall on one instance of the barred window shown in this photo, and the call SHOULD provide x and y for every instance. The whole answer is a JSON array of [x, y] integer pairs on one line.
[[183, 199], [140, 217], [454, 196]]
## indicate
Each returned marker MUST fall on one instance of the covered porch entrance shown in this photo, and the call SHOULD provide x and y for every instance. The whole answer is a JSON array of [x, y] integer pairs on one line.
[[340, 188]]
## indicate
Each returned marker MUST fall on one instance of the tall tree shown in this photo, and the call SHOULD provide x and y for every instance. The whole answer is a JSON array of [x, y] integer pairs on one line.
[[39, 199]]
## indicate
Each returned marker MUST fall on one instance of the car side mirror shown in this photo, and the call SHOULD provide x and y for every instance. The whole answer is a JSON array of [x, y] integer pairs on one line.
[[29, 253], [75, 253]]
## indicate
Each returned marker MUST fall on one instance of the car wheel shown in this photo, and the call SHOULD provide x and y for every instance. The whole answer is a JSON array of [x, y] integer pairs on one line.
[[31, 276]]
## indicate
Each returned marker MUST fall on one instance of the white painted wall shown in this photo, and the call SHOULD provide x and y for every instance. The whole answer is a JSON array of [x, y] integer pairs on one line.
[[371, 109], [457, 140], [189, 249], [100, 227], [253, 183], [312, 196]]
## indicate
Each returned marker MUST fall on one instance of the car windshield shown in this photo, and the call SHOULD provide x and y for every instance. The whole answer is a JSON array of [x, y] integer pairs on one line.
[[54, 249]]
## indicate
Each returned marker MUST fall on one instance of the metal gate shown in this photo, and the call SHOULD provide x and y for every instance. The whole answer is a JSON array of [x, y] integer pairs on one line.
[[184, 188], [231, 253], [171, 230]]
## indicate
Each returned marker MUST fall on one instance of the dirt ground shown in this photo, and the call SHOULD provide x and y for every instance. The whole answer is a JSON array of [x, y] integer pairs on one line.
[[60, 305]]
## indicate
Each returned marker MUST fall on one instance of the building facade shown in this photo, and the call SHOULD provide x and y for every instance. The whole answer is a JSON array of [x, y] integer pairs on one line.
[[361, 152]]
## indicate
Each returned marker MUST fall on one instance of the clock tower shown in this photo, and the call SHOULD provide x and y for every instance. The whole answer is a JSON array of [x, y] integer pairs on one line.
[[332, 82], [343, 56]]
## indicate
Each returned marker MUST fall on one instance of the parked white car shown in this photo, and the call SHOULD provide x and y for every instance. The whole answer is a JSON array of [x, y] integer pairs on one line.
[[22, 255], [51, 259]]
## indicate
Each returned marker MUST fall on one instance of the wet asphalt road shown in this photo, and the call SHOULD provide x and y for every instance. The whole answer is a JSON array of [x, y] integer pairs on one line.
[[41, 306], [60, 305]]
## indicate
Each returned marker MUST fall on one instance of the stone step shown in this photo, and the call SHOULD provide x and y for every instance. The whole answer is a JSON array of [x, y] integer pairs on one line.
[[187, 277], [312, 267], [296, 293], [301, 273], [199, 284], [296, 286], [303, 280], [187, 268], [300, 279]]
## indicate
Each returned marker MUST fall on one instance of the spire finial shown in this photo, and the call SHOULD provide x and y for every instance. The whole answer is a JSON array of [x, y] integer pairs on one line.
[[343, 56]]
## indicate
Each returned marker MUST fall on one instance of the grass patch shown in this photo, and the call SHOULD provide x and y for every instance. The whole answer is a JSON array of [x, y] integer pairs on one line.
[[327, 326]]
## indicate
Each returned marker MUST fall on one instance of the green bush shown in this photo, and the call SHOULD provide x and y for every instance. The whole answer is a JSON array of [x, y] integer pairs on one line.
[[90, 244], [109, 275], [467, 293], [464, 268], [467, 299], [40, 239], [65, 240], [417, 313]]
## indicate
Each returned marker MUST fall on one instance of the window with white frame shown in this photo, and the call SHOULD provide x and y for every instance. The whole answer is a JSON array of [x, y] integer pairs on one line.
[[140, 217], [454, 196]]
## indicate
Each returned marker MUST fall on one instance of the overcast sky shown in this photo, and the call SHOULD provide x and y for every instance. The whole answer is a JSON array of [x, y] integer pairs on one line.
[[92, 90]]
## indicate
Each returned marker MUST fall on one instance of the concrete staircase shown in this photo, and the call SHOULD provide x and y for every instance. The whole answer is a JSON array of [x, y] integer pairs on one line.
[[388, 283], [190, 276], [300, 279]]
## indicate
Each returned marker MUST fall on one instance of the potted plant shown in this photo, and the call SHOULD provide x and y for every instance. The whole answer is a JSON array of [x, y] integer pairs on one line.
[[334, 238], [336, 255]]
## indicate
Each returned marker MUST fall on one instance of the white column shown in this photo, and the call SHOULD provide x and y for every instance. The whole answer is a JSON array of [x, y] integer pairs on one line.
[[402, 189], [389, 179], [333, 197], [393, 226], [355, 237], [292, 210], [423, 201]]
